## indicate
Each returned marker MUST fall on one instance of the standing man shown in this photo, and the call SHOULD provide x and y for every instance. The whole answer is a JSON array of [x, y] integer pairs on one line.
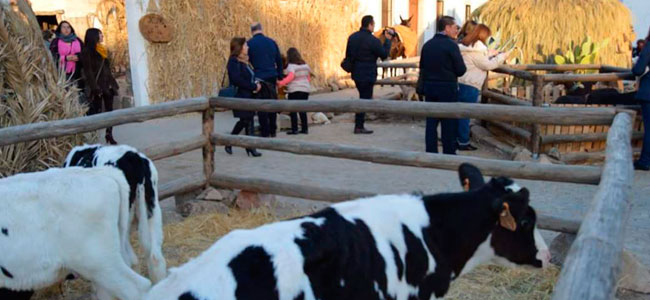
[[264, 55], [363, 49], [440, 66]]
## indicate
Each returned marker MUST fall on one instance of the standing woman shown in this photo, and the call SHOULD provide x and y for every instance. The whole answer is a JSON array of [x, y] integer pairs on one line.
[[641, 69], [65, 49], [298, 82], [101, 86], [242, 77], [479, 60]]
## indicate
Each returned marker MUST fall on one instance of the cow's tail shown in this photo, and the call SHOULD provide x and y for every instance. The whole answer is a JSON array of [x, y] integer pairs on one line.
[[123, 219], [150, 225]]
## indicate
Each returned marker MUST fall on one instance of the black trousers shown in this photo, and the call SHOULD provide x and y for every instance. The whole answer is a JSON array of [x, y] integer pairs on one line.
[[104, 100], [268, 120], [245, 124], [304, 125], [365, 92], [441, 92]]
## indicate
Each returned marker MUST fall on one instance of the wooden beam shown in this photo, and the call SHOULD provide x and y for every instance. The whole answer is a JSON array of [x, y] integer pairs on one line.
[[538, 100], [182, 185], [492, 112], [511, 129], [398, 65], [175, 148], [395, 82], [268, 186], [44, 130], [514, 72], [489, 167], [208, 148], [582, 137], [578, 157], [592, 268], [547, 67], [506, 99], [333, 195], [588, 77]]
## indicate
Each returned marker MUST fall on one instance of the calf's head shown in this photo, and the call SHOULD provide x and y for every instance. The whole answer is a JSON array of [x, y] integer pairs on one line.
[[516, 239]]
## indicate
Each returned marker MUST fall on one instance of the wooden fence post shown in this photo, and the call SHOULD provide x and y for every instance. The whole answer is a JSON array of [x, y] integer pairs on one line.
[[538, 98], [208, 148]]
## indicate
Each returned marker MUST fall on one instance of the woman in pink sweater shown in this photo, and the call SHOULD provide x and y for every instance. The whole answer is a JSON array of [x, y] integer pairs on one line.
[[298, 82], [65, 49]]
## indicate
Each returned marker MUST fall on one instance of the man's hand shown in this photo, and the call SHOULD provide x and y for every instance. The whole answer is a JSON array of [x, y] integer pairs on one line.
[[72, 58], [259, 87], [389, 34]]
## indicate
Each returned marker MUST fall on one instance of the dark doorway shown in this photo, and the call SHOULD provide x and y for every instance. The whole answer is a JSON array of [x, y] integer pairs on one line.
[[47, 21]]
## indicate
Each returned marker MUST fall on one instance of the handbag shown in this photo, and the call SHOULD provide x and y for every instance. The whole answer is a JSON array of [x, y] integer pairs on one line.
[[347, 65], [228, 92]]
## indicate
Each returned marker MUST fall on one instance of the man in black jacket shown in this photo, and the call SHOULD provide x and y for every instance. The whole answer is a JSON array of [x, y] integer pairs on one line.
[[440, 66], [363, 49], [264, 55]]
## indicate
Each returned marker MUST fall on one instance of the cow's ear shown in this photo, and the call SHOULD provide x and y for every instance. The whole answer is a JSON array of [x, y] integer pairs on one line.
[[506, 220]]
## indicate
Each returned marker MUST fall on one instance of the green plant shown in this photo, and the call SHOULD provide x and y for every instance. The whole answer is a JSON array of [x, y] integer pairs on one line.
[[585, 53], [495, 42]]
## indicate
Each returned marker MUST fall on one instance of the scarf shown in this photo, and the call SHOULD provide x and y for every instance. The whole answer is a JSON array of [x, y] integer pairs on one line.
[[67, 38], [101, 50]]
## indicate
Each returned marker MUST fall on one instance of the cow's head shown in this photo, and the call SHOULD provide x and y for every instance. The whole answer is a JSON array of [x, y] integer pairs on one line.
[[515, 239]]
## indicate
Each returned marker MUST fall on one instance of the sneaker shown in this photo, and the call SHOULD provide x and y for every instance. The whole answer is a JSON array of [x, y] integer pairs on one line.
[[467, 147], [362, 131]]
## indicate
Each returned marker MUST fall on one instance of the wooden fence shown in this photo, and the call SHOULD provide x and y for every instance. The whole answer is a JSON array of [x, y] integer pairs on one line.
[[567, 139], [614, 182]]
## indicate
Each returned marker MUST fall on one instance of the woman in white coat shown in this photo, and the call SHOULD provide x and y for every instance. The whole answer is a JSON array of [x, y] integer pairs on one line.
[[479, 60]]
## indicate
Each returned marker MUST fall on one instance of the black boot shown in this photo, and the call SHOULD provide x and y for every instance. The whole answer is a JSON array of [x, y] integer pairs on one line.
[[109, 136], [228, 149], [252, 152]]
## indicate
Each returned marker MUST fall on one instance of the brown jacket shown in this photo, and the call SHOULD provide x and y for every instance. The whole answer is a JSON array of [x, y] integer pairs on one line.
[[99, 80]]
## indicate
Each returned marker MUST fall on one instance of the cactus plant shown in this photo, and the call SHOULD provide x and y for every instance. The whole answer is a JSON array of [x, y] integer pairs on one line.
[[585, 53]]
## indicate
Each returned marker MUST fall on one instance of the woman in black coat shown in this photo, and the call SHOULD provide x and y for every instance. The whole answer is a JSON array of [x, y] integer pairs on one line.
[[242, 77], [101, 86]]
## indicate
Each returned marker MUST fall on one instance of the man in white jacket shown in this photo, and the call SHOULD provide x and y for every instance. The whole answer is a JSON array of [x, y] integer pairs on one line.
[[478, 60]]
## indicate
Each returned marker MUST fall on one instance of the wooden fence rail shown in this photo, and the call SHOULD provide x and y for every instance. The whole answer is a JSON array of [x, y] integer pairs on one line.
[[490, 167], [593, 264], [52, 129], [492, 112]]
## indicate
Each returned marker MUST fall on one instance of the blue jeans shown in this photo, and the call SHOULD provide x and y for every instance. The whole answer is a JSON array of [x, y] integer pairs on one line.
[[441, 92], [466, 94], [645, 153]]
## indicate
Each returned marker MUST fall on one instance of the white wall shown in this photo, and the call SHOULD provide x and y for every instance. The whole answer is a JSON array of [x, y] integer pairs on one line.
[[135, 9], [370, 7], [72, 9], [641, 14]]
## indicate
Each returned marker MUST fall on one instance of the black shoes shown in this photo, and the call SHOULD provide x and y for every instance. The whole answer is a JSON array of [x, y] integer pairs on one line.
[[253, 152], [228, 149], [304, 131], [640, 167], [467, 147], [292, 132], [362, 131]]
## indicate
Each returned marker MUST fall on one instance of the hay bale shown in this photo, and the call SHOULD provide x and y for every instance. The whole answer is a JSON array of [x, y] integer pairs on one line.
[[194, 62], [32, 90], [543, 27]]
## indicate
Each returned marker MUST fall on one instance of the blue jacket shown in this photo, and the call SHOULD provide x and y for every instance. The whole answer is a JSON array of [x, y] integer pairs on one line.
[[241, 76], [643, 94], [264, 55], [441, 60], [364, 49]]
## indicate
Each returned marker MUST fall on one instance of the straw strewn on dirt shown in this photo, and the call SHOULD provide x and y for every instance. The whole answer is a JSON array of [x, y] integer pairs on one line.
[[193, 63], [548, 26], [31, 90]]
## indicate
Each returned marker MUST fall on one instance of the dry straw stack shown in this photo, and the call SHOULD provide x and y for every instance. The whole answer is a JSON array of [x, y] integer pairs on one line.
[[194, 62], [549, 26], [31, 90], [112, 15]]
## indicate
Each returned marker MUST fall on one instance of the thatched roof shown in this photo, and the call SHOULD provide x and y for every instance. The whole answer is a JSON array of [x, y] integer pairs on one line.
[[547, 26]]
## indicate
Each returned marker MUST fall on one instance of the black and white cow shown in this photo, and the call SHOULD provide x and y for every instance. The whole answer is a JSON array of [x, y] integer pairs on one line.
[[142, 176], [384, 247], [66, 220]]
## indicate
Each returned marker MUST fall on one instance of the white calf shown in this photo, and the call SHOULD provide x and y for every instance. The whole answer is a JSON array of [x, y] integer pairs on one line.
[[67, 220]]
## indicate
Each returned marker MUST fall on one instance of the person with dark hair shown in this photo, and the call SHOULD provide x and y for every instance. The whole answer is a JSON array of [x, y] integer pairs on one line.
[[101, 86], [266, 60], [48, 36], [363, 49], [298, 85], [440, 66], [241, 76], [478, 60], [65, 49], [642, 70]]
